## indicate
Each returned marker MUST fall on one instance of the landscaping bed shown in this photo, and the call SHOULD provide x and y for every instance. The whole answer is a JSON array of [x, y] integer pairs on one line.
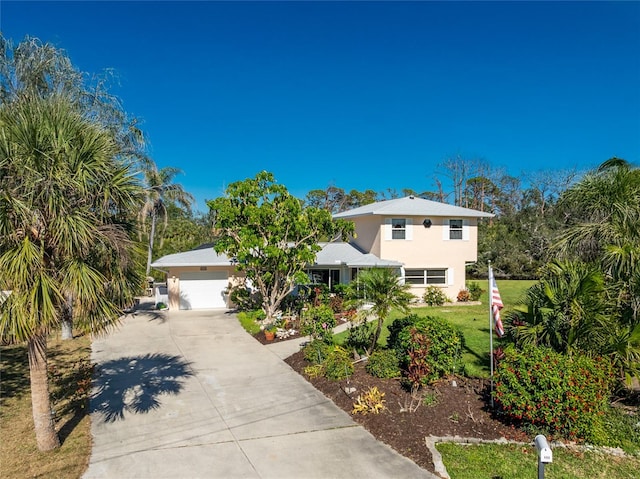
[[448, 410]]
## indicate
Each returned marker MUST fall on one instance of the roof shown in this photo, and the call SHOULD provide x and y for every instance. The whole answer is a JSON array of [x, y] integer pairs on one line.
[[340, 253], [412, 206], [331, 254], [203, 255]]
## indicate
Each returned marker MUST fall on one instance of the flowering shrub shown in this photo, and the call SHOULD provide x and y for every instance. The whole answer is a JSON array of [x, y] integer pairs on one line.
[[428, 348], [568, 395], [434, 296], [383, 364], [318, 322]]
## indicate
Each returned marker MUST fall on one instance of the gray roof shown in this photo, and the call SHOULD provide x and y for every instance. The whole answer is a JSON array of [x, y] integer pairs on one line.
[[331, 254], [203, 255], [340, 253], [412, 206]]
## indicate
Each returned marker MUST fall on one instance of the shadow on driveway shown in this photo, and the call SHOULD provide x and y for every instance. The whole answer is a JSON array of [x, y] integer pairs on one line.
[[135, 384]]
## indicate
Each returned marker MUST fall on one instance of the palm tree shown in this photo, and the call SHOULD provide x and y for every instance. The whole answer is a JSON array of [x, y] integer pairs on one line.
[[382, 289], [159, 190], [65, 234], [565, 310]]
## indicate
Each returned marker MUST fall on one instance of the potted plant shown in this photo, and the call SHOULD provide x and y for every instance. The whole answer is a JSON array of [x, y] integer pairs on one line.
[[270, 332]]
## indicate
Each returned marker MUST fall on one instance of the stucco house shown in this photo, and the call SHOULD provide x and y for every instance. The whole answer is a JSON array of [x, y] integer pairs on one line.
[[425, 242], [433, 241]]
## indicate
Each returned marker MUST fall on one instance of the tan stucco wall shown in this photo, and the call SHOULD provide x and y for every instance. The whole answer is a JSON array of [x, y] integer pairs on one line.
[[426, 249], [173, 281], [368, 234]]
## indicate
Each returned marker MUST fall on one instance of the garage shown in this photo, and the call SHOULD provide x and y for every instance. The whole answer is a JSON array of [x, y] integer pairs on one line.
[[203, 289]]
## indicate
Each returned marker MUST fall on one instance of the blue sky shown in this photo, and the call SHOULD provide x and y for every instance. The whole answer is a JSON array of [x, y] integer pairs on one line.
[[359, 94]]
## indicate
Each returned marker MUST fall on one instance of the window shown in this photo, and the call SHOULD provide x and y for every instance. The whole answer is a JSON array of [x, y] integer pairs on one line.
[[425, 276], [398, 228], [330, 277], [455, 229]]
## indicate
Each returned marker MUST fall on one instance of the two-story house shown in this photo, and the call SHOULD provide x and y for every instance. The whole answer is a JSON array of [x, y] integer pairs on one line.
[[433, 241], [425, 242]]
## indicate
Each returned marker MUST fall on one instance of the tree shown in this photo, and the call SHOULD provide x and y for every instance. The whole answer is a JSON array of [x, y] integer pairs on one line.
[[271, 235], [32, 69], [380, 287], [160, 189], [65, 201]]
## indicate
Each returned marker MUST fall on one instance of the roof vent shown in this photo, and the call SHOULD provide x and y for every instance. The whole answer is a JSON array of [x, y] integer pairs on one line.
[[411, 197]]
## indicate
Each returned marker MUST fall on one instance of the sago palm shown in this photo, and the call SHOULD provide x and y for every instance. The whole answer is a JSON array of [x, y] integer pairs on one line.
[[65, 200], [381, 288]]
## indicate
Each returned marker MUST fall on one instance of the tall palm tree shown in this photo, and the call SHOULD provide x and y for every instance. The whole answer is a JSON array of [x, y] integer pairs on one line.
[[382, 289], [161, 189], [65, 234]]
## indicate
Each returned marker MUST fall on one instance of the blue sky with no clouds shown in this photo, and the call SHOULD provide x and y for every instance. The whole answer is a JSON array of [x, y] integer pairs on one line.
[[359, 94]]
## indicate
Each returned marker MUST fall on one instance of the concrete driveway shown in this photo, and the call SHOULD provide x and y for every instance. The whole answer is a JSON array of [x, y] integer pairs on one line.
[[190, 395]]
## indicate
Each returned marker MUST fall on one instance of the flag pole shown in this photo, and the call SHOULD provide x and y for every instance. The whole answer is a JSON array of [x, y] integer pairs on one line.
[[490, 332]]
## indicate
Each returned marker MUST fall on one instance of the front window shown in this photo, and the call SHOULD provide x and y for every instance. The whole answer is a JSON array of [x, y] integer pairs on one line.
[[398, 228], [330, 277], [425, 276], [455, 229]]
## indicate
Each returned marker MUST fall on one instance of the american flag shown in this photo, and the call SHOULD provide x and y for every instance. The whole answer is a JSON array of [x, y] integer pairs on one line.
[[496, 304]]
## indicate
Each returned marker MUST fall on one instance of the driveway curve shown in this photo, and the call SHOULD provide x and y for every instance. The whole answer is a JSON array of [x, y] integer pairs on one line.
[[189, 394]]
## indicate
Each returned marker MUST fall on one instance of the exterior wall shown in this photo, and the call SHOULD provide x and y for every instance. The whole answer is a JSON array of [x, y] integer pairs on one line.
[[368, 233], [425, 248], [173, 282]]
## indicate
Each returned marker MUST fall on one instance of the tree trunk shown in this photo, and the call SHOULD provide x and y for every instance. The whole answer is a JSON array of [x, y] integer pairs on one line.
[[151, 238], [46, 435], [67, 318]]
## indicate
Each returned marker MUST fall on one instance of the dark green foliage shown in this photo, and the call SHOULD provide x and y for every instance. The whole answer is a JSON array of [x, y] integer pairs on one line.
[[568, 395], [316, 351], [318, 322], [360, 336], [430, 344], [337, 364], [383, 364], [434, 296], [475, 290], [244, 300], [393, 341]]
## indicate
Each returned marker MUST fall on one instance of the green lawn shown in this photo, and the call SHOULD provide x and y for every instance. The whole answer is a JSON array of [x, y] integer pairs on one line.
[[491, 461], [472, 321]]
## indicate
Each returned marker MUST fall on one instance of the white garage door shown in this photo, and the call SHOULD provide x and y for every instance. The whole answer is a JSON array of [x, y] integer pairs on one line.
[[203, 289]]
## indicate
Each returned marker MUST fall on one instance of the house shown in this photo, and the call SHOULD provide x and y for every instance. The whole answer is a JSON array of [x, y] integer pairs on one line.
[[433, 241], [201, 278], [425, 242]]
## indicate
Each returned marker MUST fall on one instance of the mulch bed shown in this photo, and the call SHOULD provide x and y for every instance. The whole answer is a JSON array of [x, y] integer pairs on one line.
[[458, 410]]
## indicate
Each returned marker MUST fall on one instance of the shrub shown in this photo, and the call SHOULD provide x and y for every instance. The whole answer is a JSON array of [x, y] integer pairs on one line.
[[244, 300], [463, 296], [371, 401], [337, 364], [475, 290], [431, 346], [336, 303], [383, 364], [393, 341], [316, 351], [434, 296], [359, 336], [568, 395], [314, 371], [318, 322]]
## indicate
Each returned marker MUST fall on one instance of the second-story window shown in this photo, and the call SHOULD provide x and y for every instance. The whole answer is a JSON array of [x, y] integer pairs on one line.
[[455, 229], [398, 228]]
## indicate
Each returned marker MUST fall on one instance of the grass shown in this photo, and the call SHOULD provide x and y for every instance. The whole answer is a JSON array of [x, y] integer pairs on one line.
[[248, 321], [493, 461], [70, 373], [471, 320]]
